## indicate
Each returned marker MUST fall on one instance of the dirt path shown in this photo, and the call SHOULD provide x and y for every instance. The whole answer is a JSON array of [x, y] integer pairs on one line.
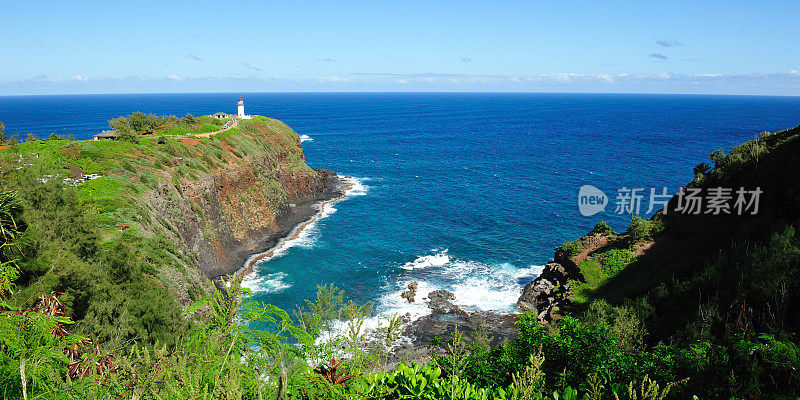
[[208, 134]]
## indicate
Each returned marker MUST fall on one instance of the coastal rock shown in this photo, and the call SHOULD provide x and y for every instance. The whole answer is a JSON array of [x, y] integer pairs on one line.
[[539, 295], [439, 301], [534, 294], [411, 293], [431, 333]]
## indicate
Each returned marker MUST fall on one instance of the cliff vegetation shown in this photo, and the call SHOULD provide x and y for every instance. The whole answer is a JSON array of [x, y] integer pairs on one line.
[[129, 232], [677, 307]]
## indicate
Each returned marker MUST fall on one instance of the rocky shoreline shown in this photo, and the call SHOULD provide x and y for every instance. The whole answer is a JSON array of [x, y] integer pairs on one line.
[[547, 297], [301, 217], [429, 334], [299, 208], [539, 295]]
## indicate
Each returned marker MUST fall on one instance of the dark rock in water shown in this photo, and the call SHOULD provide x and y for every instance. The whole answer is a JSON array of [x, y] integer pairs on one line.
[[431, 333], [411, 293], [441, 295], [439, 301]]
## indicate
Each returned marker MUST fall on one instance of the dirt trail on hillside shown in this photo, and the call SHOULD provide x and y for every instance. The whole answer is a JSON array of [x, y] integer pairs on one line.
[[208, 134]]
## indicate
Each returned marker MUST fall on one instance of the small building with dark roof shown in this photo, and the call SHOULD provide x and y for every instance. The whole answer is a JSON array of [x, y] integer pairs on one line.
[[111, 134]]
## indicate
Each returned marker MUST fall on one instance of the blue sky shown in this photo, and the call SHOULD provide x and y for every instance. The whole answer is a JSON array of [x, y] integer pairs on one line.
[[725, 47]]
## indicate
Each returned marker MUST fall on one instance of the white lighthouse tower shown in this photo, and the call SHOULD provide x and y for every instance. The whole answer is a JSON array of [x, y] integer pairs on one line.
[[240, 108]]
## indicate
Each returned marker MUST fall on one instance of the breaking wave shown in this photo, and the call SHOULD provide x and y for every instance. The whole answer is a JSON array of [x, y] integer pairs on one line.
[[269, 283], [303, 235], [477, 286]]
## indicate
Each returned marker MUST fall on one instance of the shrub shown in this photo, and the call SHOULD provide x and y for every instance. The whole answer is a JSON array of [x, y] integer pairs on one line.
[[616, 260], [700, 170], [625, 323], [642, 229], [602, 228], [718, 158], [421, 382], [572, 248]]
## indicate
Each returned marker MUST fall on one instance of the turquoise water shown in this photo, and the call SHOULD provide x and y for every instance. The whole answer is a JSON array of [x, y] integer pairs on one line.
[[465, 192]]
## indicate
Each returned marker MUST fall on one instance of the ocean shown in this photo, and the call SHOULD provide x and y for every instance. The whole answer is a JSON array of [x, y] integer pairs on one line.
[[464, 192]]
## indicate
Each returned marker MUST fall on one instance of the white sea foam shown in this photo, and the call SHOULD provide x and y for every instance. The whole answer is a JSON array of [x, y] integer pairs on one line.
[[481, 287], [305, 138], [268, 283], [477, 286], [356, 186], [391, 303], [423, 262]]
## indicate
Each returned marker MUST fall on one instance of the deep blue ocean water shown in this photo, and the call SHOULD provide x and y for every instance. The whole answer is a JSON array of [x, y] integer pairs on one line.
[[466, 192]]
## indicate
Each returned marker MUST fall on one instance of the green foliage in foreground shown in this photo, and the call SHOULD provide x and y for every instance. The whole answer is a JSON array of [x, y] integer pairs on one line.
[[740, 342], [257, 351], [223, 358]]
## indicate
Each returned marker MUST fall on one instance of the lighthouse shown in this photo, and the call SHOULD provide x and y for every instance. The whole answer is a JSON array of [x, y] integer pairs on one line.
[[240, 108]]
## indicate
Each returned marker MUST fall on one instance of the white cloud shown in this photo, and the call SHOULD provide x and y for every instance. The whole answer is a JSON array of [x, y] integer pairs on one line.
[[784, 83], [333, 79], [606, 77]]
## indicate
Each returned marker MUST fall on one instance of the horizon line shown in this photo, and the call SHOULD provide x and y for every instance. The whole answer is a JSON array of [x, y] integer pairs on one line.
[[402, 92]]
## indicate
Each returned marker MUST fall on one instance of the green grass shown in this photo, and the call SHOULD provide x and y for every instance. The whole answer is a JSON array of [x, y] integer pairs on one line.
[[129, 169], [594, 275], [183, 129], [103, 188], [615, 260], [597, 269]]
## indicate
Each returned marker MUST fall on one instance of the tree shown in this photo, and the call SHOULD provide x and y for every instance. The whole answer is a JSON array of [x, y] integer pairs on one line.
[[154, 121], [3, 133], [32, 347], [718, 157], [9, 231], [124, 129], [189, 119], [700, 170], [138, 121], [640, 229]]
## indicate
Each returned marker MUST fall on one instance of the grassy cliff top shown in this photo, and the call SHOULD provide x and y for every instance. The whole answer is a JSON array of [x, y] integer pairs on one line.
[[119, 246], [128, 169]]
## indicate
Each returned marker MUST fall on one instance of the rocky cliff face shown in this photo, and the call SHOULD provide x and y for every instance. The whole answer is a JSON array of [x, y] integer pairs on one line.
[[550, 293], [234, 209]]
